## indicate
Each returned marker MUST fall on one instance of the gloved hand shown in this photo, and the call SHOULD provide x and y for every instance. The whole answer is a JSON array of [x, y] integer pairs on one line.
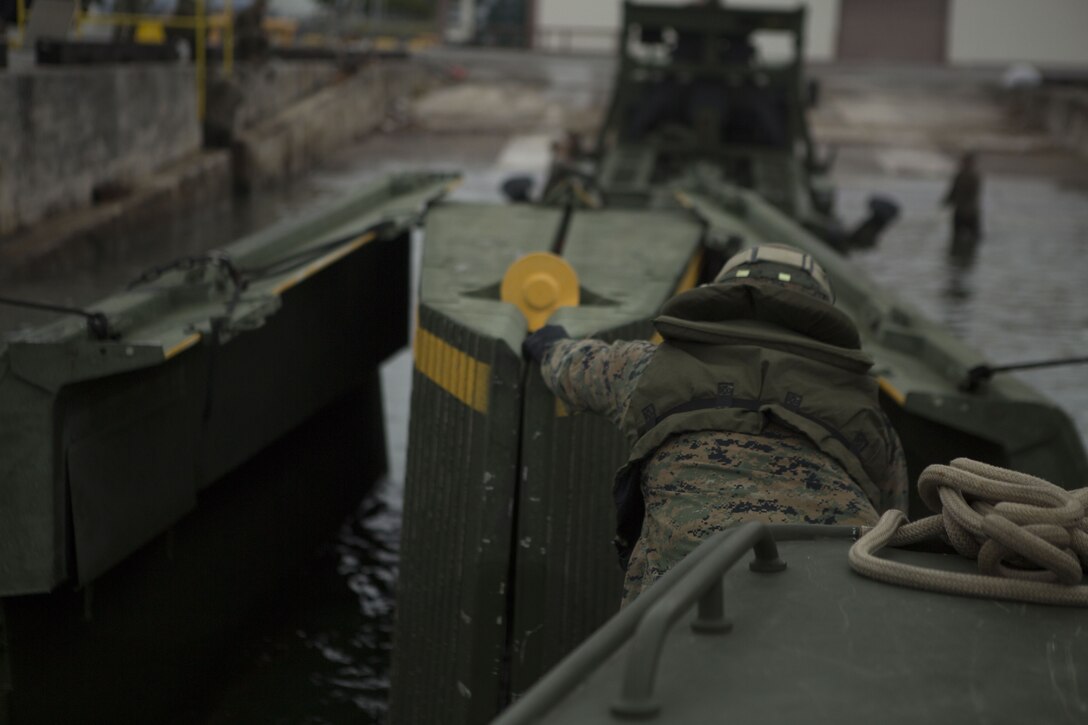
[[537, 344]]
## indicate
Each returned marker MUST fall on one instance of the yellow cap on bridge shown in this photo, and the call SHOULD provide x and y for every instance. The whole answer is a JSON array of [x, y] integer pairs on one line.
[[538, 284]]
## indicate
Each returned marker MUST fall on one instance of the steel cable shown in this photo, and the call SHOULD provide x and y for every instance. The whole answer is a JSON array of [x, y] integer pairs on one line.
[[1030, 537]]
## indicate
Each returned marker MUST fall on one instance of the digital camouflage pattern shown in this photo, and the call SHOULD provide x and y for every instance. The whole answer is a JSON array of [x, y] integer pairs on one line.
[[698, 483]]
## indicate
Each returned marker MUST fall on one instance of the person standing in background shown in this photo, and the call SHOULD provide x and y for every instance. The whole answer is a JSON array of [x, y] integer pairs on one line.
[[964, 196]]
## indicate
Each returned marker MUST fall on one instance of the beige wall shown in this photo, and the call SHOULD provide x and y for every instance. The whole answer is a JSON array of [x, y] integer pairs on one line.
[[1047, 32], [591, 13], [595, 23], [585, 25]]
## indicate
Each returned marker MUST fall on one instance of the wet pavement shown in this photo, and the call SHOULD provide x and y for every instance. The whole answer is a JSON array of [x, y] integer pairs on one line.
[[321, 656]]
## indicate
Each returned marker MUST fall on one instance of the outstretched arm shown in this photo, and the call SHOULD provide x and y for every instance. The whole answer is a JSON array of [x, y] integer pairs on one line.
[[595, 375]]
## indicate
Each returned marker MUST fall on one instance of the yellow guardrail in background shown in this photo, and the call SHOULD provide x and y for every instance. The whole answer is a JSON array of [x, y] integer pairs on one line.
[[152, 29], [217, 28], [200, 23], [150, 33], [20, 21], [280, 31]]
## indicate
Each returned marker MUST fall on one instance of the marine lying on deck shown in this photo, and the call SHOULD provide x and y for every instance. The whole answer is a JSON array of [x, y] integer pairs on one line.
[[506, 560], [757, 405]]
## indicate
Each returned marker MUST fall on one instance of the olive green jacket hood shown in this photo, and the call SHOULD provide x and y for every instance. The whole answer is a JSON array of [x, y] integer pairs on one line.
[[697, 315]]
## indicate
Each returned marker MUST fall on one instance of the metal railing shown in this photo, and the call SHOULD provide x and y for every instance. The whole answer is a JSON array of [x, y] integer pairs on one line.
[[199, 22], [20, 21]]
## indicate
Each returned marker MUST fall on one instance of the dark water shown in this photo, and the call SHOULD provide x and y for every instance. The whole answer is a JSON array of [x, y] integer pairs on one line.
[[1022, 295], [324, 658], [321, 655]]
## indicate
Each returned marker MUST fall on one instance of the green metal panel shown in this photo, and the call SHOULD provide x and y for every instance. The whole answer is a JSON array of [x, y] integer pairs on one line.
[[322, 341], [130, 458], [568, 580], [160, 485], [568, 575], [451, 625], [141, 643], [118, 435], [32, 555], [481, 609], [817, 643]]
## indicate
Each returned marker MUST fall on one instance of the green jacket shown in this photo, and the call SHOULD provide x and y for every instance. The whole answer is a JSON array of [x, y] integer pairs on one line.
[[739, 355]]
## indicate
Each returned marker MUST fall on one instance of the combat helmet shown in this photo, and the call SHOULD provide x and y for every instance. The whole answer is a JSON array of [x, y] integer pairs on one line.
[[780, 264]]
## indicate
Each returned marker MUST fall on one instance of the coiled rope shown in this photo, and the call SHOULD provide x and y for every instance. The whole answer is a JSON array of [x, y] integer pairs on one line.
[[1029, 536]]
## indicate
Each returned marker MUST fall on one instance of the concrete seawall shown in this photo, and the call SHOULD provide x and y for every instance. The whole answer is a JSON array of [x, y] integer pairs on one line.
[[66, 132], [83, 152], [273, 148], [255, 92], [291, 142], [1061, 112]]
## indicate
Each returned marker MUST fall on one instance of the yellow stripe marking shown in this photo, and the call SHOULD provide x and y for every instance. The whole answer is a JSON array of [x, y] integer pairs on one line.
[[458, 373], [691, 274], [321, 262], [891, 391], [181, 346]]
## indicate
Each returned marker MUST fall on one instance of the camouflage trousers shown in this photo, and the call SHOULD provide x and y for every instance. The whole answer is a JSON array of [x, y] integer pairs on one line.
[[696, 484]]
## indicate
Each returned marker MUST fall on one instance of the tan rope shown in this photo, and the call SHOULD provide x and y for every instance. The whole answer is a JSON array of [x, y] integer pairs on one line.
[[1029, 536]]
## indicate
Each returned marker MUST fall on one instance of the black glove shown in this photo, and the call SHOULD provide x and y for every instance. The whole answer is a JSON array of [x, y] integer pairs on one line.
[[536, 345]]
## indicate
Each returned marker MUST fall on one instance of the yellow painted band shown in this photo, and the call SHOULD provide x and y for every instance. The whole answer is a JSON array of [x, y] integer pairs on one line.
[[181, 346], [891, 391], [458, 373], [691, 274], [320, 263]]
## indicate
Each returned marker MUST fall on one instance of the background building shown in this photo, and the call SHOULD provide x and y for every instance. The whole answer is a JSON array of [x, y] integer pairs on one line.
[[1048, 33]]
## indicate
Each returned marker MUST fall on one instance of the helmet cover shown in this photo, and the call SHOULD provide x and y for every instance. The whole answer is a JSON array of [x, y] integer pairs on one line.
[[779, 264]]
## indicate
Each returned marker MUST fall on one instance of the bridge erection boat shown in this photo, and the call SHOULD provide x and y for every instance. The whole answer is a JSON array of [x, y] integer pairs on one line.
[[506, 556], [170, 456], [507, 562]]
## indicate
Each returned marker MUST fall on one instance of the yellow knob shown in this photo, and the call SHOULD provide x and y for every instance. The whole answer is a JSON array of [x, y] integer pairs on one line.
[[538, 284], [540, 291]]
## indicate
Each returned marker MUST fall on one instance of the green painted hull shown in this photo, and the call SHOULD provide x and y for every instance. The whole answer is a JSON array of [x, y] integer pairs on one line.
[[151, 501], [816, 643], [507, 562]]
